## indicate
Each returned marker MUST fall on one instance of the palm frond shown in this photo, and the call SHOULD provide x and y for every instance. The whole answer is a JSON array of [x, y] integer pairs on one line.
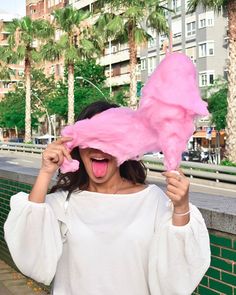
[[141, 36], [212, 4], [157, 20]]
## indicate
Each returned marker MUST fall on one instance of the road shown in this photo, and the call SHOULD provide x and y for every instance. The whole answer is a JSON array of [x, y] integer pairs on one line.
[[30, 163]]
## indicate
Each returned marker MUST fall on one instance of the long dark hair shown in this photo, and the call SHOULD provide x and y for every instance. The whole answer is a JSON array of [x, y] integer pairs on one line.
[[132, 170]]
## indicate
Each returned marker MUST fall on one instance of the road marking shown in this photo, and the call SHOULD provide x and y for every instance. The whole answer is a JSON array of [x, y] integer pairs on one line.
[[27, 161], [11, 162]]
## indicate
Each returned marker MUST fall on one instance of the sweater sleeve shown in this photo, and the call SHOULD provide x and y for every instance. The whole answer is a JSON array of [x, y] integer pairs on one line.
[[179, 255], [33, 235]]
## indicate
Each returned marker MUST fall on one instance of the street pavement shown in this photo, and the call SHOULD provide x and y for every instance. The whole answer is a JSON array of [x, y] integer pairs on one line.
[[13, 282]]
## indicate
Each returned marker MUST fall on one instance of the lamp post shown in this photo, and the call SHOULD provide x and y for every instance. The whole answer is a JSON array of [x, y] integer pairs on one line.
[[48, 119], [82, 78]]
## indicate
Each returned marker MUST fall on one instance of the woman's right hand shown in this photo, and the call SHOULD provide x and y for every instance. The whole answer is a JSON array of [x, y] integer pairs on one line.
[[54, 154]]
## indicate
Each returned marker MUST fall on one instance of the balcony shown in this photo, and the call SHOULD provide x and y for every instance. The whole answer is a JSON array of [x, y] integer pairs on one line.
[[115, 57], [122, 79], [81, 3]]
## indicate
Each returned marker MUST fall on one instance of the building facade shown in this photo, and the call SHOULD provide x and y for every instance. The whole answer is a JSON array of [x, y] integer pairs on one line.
[[115, 57], [37, 9], [201, 35], [16, 70]]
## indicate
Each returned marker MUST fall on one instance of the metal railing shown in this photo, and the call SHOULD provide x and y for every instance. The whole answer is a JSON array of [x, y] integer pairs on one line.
[[217, 173], [22, 147]]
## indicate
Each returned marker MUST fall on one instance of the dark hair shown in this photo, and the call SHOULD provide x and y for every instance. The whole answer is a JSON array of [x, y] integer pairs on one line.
[[132, 170]]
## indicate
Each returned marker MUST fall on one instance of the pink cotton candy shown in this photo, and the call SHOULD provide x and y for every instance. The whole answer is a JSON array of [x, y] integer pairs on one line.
[[163, 122]]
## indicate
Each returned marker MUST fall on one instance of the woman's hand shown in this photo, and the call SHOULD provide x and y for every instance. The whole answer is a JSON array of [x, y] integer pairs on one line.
[[178, 192], [54, 154]]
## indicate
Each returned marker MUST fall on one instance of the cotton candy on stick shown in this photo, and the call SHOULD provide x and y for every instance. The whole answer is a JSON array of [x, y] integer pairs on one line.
[[173, 93], [120, 132], [163, 122]]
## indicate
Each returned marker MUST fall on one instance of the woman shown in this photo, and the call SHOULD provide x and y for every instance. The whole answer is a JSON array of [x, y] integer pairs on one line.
[[104, 231]]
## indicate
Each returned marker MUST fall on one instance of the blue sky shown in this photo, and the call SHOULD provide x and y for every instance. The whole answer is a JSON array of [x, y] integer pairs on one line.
[[13, 6]]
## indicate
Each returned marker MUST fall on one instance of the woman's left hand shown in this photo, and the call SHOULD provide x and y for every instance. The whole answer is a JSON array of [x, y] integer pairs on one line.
[[178, 190]]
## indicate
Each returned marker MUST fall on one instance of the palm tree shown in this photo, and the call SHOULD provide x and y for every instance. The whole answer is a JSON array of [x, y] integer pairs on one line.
[[22, 45], [75, 44], [230, 6], [129, 23]]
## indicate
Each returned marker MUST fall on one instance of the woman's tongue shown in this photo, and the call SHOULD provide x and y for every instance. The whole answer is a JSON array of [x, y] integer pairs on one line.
[[99, 167]]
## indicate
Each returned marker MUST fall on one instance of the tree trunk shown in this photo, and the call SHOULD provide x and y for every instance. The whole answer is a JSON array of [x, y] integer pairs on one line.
[[27, 100], [133, 66], [71, 94], [16, 131], [231, 114]]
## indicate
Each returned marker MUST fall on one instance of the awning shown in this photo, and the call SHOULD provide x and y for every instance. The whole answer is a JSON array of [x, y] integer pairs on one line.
[[202, 134]]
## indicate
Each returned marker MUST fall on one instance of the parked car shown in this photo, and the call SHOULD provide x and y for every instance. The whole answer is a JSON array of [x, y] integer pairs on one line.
[[185, 156], [194, 156]]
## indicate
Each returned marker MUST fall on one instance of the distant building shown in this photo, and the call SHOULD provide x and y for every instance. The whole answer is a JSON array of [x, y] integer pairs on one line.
[[115, 57], [42, 9], [202, 36], [17, 70], [37, 9]]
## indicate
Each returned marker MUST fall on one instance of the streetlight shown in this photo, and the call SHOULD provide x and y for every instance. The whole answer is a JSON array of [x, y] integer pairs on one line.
[[82, 78], [48, 119]]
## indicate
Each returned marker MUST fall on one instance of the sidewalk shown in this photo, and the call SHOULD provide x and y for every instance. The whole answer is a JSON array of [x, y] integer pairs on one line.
[[12, 282]]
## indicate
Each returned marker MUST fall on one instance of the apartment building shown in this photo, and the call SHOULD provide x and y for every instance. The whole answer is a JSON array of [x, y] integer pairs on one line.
[[115, 57], [42, 9], [201, 35], [17, 70], [37, 9]]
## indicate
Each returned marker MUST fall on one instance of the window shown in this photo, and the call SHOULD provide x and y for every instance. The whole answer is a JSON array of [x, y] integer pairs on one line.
[[143, 64], [211, 79], [202, 50], [191, 53], [151, 42], [162, 38], [206, 78], [210, 48], [20, 72], [206, 49], [177, 28], [210, 18], [191, 29], [58, 34], [203, 80], [206, 19], [114, 49], [176, 5], [151, 64], [202, 23]]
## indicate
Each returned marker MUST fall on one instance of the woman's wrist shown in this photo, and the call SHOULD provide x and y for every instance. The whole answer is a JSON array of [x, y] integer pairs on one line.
[[181, 215], [181, 209], [40, 187]]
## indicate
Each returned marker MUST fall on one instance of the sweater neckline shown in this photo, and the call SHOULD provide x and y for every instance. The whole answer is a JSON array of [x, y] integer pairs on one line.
[[105, 195]]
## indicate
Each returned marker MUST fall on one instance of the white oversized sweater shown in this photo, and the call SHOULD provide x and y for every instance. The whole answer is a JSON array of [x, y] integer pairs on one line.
[[105, 244]]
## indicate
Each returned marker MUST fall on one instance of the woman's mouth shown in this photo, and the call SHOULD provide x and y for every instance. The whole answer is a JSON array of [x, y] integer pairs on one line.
[[99, 166]]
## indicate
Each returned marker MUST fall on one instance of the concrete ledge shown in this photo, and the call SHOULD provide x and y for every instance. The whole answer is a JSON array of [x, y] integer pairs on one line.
[[219, 212]]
